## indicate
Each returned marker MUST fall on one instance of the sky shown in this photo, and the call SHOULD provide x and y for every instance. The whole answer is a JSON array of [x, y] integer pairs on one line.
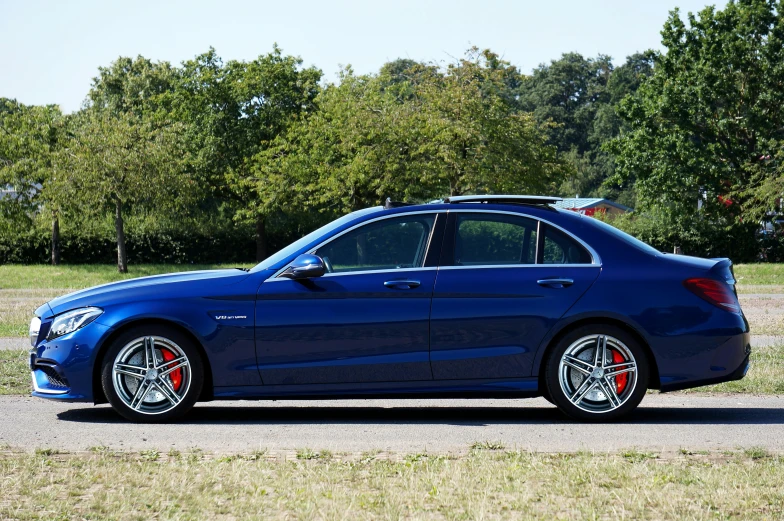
[[51, 50]]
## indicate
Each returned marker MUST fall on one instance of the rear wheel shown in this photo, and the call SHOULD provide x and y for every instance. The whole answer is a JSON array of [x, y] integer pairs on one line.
[[597, 373], [152, 374]]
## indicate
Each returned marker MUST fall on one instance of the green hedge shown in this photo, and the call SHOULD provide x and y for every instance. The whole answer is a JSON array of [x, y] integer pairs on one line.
[[176, 247], [700, 237]]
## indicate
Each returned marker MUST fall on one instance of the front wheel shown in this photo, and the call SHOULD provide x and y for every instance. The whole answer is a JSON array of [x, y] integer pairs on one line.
[[152, 374], [597, 373]]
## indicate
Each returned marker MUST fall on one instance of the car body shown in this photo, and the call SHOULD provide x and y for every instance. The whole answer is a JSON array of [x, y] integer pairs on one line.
[[467, 297]]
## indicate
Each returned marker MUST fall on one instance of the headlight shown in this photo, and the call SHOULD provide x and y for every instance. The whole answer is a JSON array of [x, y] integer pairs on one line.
[[71, 321], [35, 327]]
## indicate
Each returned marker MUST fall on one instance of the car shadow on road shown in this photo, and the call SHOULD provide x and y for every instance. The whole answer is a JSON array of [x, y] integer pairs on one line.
[[469, 416]]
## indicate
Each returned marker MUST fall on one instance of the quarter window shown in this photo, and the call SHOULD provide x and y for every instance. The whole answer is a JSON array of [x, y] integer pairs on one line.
[[394, 243], [494, 239], [559, 248]]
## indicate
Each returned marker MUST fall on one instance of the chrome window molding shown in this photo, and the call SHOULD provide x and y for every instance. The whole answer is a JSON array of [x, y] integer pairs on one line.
[[363, 272], [363, 223], [596, 260], [495, 266]]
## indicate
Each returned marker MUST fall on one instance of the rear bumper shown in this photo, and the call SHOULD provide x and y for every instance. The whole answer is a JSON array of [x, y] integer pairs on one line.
[[730, 362]]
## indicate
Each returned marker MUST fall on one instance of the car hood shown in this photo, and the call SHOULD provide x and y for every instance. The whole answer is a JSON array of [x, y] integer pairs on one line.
[[133, 289]]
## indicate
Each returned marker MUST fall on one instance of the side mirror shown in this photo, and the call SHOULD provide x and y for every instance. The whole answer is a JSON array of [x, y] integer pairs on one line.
[[305, 266]]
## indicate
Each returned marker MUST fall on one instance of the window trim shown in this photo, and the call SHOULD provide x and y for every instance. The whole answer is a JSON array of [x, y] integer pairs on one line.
[[449, 239], [430, 243]]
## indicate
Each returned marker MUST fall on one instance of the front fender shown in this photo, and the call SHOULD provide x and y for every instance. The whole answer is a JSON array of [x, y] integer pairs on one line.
[[223, 328]]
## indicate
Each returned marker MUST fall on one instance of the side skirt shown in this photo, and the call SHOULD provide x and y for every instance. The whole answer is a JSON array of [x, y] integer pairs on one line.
[[500, 388]]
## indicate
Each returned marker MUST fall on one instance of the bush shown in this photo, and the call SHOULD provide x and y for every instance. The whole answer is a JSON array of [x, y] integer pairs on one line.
[[697, 236], [174, 247]]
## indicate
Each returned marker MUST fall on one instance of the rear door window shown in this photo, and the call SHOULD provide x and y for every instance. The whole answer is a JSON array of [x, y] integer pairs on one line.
[[494, 239]]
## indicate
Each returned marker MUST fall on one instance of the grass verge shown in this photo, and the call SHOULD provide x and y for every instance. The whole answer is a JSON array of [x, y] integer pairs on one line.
[[759, 274], [24, 288], [77, 276], [480, 485], [14, 372]]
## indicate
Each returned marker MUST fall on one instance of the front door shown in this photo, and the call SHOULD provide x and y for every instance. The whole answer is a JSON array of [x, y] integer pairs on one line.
[[365, 320], [505, 280]]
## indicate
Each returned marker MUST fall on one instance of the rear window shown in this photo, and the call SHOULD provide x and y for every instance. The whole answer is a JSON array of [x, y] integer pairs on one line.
[[625, 237], [559, 248]]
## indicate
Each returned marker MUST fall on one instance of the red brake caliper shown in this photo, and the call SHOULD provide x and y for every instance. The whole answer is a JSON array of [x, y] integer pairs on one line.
[[622, 379], [176, 375]]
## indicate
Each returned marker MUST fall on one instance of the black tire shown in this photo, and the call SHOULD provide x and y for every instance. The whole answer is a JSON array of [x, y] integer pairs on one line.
[[632, 397], [546, 395], [195, 375]]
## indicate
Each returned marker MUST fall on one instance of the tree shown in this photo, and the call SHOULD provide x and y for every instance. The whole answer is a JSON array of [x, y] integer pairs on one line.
[[415, 133], [132, 85], [119, 161], [475, 139], [233, 111], [709, 123], [568, 92], [579, 96], [30, 136]]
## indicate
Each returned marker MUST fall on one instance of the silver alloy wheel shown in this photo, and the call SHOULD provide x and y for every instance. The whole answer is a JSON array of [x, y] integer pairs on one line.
[[598, 373], [145, 380]]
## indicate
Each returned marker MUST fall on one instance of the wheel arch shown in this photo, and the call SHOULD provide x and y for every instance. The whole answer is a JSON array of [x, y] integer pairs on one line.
[[98, 394], [653, 381]]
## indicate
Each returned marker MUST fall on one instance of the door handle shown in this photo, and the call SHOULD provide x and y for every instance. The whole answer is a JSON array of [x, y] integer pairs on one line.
[[561, 283], [402, 284]]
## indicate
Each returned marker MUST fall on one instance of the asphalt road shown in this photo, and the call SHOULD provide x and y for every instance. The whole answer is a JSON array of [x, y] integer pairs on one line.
[[663, 422]]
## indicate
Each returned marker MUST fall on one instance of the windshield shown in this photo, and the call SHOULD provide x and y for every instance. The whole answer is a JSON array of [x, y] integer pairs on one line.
[[297, 245], [637, 243]]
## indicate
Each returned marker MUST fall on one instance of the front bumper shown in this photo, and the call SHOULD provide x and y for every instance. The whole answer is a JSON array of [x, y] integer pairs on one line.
[[62, 369]]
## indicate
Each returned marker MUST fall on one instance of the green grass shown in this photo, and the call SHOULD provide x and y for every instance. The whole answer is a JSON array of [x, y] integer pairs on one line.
[[14, 372], [759, 274], [24, 288], [478, 485], [78, 276]]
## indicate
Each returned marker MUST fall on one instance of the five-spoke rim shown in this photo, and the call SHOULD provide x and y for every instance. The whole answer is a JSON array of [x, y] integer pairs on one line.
[[598, 373], [151, 374]]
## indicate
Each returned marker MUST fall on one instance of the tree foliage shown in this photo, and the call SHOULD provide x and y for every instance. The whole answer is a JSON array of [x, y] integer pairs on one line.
[[414, 131], [580, 96], [264, 149], [117, 162], [709, 123]]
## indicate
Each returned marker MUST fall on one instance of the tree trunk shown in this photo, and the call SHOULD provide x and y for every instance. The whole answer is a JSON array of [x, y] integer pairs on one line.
[[261, 240], [55, 239], [122, 261]]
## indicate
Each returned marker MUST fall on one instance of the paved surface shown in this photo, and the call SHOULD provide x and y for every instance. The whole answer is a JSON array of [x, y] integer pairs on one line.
[[14, 343], [663, 422], [766, 340]]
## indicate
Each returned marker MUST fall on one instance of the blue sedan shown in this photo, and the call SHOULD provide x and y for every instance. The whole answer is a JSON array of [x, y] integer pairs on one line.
[[472, 296]]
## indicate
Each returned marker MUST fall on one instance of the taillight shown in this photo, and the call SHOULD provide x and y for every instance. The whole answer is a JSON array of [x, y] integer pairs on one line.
[[714, 291]]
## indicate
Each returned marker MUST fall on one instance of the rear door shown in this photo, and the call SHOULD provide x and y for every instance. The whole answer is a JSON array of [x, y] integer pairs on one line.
[[504, 280]]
